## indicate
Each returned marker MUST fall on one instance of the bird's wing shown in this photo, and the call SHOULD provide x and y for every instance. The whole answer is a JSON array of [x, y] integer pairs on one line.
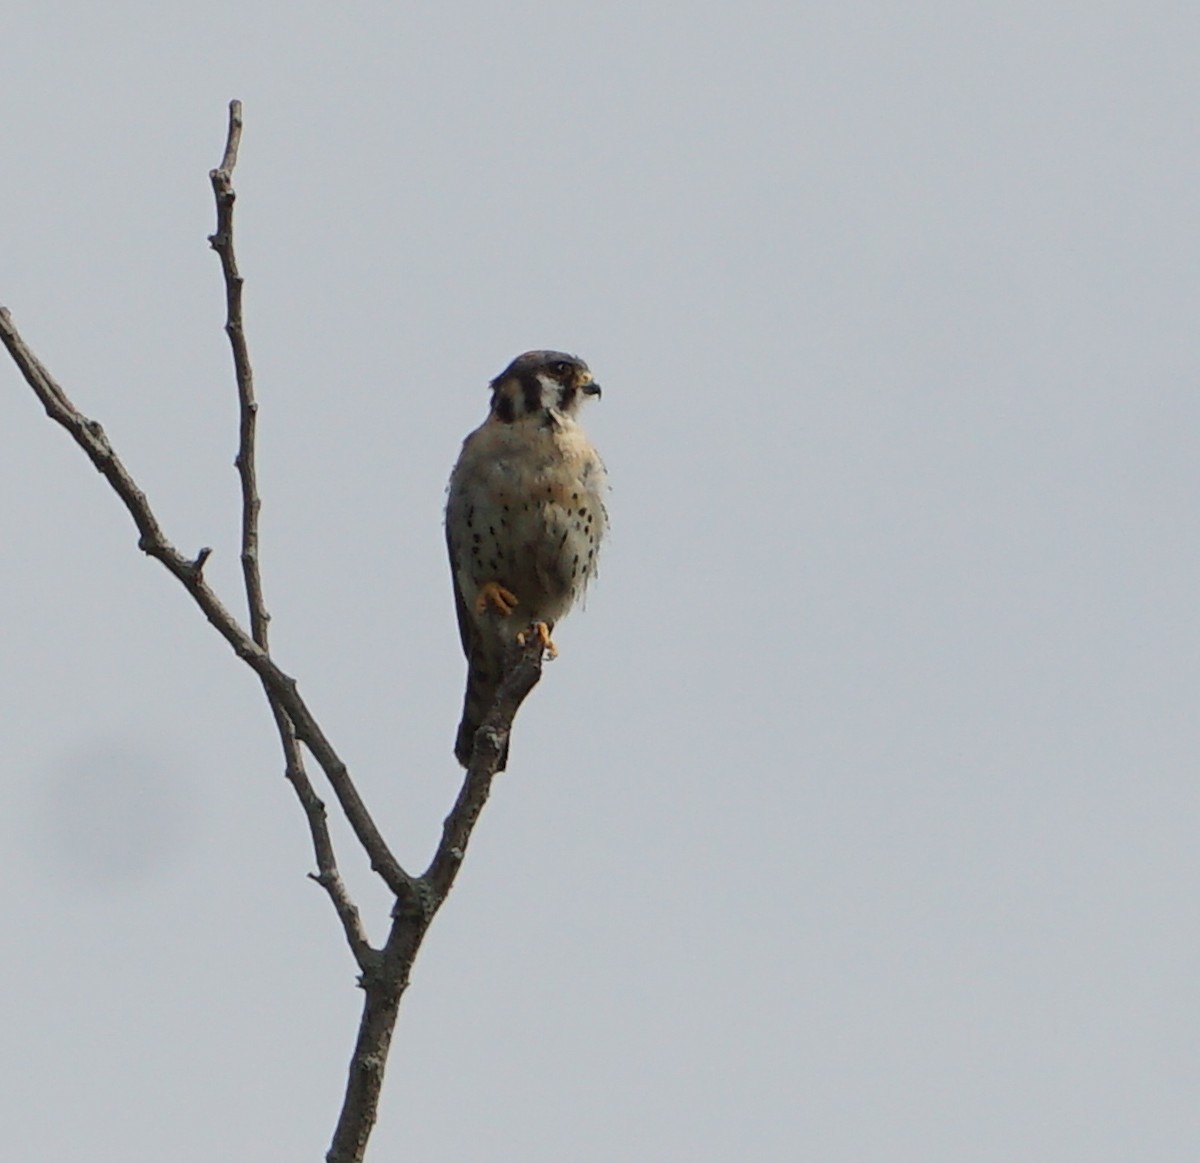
[[468, 632]]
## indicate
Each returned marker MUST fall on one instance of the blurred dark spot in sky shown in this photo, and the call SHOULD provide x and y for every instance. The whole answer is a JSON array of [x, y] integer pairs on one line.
[[114, 814]]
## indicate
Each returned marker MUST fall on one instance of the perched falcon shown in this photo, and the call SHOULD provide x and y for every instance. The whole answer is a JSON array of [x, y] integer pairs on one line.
[[524, 520]]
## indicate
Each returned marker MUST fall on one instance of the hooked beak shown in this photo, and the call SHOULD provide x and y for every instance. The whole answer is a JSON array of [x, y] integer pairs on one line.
[[591, 388]]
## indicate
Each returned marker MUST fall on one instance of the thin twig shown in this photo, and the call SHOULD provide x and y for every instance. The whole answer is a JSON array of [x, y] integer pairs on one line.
[[327, 875], [222, 243]]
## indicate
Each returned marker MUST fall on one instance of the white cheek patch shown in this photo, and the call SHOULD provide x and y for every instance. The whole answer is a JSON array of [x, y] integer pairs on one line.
[[551, 391]]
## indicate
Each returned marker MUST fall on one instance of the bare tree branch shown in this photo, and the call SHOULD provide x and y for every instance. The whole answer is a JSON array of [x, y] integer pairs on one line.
[[523, 670], [222, 243], [384, 972], [384, 990], [90, 436], [364, 1081], [327, 875]]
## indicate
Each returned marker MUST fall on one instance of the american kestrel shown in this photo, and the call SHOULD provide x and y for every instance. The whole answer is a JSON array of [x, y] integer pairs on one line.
[[524, 519]]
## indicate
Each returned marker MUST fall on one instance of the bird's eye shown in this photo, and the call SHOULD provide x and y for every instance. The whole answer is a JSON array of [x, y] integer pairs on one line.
[[560, 368]]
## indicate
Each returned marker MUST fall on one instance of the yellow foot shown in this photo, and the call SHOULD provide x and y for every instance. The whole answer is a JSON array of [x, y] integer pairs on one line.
[[495, 595], [543, 635]]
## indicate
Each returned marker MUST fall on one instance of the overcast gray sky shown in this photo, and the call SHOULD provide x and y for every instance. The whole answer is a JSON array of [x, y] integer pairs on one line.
[[857, 822]]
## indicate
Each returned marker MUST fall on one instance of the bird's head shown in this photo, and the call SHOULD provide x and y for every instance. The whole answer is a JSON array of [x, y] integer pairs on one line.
[[542, 382]]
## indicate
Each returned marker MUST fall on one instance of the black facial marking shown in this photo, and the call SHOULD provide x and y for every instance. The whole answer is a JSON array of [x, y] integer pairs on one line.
[[532, 391], [506, 411]]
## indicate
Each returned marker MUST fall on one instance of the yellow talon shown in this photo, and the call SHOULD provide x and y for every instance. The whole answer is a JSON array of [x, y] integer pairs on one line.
[[543, 633], [495, 595]]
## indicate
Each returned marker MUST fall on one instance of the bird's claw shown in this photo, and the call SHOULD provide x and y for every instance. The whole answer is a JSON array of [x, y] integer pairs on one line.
[[542, 632], [495, 595]]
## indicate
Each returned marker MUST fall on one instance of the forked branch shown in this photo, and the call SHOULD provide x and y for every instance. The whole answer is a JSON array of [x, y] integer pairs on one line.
[[384, 971]]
